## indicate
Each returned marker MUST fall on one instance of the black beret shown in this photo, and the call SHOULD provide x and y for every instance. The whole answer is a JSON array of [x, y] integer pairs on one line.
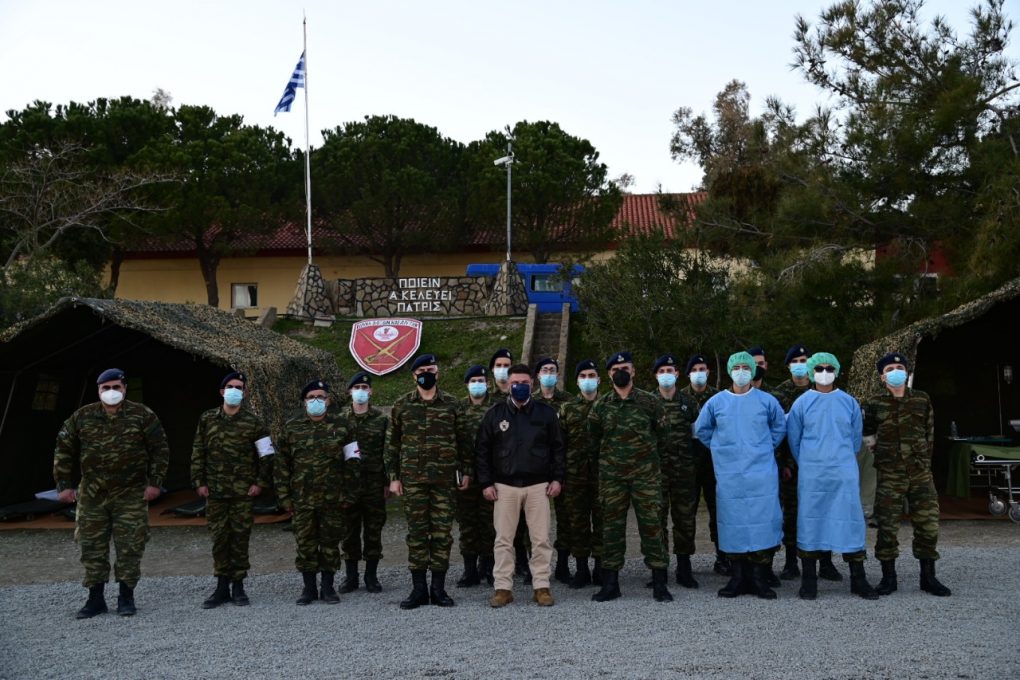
[[796, 351], [314, 385], [358, 378], [664, 360], [696, 359], [756, 351], [109, 375], [546, 362], [585, 365], [891, 358], [501, 353], [619, 358], [424, 360], [235, 375], [476, 371]]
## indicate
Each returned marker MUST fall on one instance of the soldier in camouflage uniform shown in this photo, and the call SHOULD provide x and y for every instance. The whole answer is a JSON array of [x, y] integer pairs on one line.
[[679, 469], [474, 513], [629, 431], [582, 499], [111, 457], [903, 422], [365, 518], [427, 448], [318, 479], [231, 463], [547, 372]]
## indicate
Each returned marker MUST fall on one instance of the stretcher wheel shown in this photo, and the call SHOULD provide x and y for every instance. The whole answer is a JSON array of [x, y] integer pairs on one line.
[[997, 507], [1014, 512]]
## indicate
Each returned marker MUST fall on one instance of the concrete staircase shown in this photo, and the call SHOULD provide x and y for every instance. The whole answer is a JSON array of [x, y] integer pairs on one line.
[[547, 335]]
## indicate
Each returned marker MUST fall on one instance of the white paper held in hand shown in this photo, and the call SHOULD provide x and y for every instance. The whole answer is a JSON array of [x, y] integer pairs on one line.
[[352, 451]]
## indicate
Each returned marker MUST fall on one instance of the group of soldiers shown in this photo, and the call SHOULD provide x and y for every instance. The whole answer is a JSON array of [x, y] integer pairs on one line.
[[334, 468]]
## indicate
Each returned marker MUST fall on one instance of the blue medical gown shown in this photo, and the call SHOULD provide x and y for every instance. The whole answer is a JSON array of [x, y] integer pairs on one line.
[[824, 433], [743, 431]]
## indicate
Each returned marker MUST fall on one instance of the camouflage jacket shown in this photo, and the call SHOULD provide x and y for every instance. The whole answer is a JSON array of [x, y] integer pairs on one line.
[[224, 457], [558, 397], [473, 414], [369, 430], [700, 397], [111, 453], [574, 423], [310, 468], [904, 427], [427, 441], [787, 392], [681, 412], [629, 436]]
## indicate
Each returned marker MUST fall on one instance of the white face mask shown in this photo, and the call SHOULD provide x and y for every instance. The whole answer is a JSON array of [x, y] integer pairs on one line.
[[501, 373], [111, 397], [741, 377], [824, 379]]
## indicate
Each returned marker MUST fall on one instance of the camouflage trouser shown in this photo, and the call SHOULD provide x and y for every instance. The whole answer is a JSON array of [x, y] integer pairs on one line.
[[858, 556], [363, 525], [429, 509], [679, 501], [230, 521], [581, 499], [644, 492], [562, 524], [788, 500], [317, 532], [916, 486], [125, 516], [705, 485], [755, 556], [474, 517]]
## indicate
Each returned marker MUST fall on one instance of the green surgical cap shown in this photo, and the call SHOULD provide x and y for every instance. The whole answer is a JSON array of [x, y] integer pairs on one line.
[[739, 358], [819, 358]]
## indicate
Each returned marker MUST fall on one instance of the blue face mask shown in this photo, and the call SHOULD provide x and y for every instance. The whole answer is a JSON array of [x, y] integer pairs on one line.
[[232, 396], [896, 377], [359, 396], [798, 370], [548, 380], [666, 380], [521, 392], [477, 389], [698, 377], [588, 385], [315, 407], [741, 377]]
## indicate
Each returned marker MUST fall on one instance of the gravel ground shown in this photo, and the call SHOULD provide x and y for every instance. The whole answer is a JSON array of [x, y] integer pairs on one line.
[[907, 635]]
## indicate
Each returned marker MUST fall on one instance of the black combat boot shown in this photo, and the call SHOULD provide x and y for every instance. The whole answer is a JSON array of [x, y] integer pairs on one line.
[[684, 576], [562, 573], [310, 593], [760, 581], [237, 593], [328, 593], [610, 586], [437, 593], [770, 575], [219, 596], [596, 573], [350, 582], [485, 566], [659, 590], [887, 586], [827, 570], [582, 577], [859, 582], [790, 570], [929, 583], [96, 604], [722, 563], [735, 587], [372, 584], [126, 600], [419, 591], [471, 576], [809, 579]]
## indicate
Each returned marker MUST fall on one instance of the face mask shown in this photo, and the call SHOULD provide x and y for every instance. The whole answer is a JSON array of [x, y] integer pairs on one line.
[[698, 377], [759, 373], [359, 396], [111, 397], [741, 377], [232, 396], [477, 389], [520, 392], [621, 378], [798, 370], [588, 385], [501, 374], [548, 381], [666, 380], [824, 379], [315, 407], [426, 381], [896, 377]]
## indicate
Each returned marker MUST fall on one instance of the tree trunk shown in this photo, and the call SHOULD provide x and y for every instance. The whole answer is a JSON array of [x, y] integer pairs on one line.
[[209, 263], [116, 260]]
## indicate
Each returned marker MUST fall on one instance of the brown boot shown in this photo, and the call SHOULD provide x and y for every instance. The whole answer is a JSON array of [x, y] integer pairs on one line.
[[543, 597], [501, 598]]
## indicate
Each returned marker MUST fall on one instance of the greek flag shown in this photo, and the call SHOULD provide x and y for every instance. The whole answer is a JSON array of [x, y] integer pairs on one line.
[[297, 80]]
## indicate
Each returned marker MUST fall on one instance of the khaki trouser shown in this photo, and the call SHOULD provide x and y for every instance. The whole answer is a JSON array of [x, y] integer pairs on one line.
[[505, 516]]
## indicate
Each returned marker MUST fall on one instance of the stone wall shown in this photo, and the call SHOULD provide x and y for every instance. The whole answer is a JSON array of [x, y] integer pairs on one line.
[[313, 298], [415, 296]]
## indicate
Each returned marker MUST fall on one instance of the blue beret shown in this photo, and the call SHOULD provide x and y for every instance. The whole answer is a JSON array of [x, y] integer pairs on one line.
[[891, 358], [358, 378], [795, 352], [501, 353], [476, 371], [619, 358], [109, 375], [756, 351], [585, 365], [314, 385], [236, 375], [696, 359], [664, 360], [424, 360], [546, 362]]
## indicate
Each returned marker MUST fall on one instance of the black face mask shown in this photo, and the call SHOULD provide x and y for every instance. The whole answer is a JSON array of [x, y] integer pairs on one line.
[[426, 381], [621, 379], [759, 373]]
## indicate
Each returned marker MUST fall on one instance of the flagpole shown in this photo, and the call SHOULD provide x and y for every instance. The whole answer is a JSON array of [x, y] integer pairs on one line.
[[308, 152]]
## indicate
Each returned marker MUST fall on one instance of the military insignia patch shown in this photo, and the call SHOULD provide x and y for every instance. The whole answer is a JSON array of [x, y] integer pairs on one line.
[[504, 425], [384, 345]]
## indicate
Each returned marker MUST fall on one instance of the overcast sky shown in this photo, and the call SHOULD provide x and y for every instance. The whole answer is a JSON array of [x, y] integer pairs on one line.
[[612, 72]]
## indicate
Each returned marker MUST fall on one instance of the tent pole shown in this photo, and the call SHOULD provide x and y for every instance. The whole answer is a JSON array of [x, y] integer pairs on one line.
[[7, 407]]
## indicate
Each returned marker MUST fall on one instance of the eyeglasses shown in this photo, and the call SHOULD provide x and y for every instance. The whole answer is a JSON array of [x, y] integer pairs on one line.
[[825, 369]]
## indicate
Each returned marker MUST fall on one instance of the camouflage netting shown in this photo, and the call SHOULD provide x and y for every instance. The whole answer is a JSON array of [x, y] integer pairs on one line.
[[863, 376]]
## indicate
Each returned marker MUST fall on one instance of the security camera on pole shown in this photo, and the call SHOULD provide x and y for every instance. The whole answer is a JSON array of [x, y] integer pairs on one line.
[[508, 161], [509, 297]]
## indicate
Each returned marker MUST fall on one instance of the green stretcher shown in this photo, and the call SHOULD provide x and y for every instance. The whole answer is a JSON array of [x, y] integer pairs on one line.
[[966, 455]]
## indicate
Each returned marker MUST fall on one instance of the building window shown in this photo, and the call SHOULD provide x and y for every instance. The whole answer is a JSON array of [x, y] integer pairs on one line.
[[47, 388], [244, 295], [546, 283]]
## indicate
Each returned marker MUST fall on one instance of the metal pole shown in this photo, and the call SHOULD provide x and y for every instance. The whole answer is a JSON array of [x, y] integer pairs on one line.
[[308, 153], [509, 165]]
